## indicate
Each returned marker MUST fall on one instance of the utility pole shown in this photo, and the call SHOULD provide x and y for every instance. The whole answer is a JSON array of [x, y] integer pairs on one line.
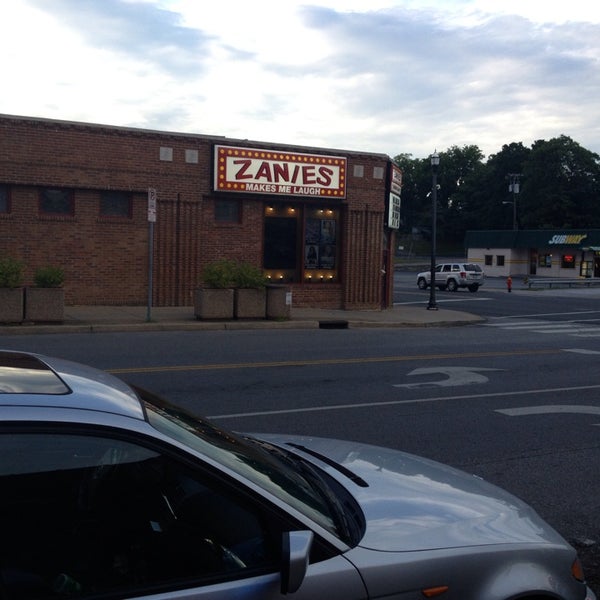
[[514, 188]]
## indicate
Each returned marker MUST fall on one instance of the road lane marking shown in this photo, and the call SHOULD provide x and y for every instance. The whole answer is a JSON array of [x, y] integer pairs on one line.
[[446, 300], [548, 409], [581, 351], [455, 376], [326, 361], [333, 407], [530, 316]]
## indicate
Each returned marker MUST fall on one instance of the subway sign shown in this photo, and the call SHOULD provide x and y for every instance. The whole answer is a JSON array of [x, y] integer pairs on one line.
[[257, 171], [564, 239]]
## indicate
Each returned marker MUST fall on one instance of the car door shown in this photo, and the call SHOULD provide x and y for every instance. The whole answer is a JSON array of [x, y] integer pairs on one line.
[[84, 513]]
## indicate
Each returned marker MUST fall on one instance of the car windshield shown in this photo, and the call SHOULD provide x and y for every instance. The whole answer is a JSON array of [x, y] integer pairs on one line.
[[273, 469]]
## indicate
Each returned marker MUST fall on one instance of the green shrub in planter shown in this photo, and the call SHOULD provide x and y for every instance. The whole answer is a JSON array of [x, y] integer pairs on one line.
[[220, 274], [11, 273], [249, 276], [49, 277]]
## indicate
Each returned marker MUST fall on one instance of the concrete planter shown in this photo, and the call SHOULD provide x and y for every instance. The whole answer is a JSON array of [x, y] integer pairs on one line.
[[279, 302], [213, 303], [250, 303], [45, 305], [11, 305]]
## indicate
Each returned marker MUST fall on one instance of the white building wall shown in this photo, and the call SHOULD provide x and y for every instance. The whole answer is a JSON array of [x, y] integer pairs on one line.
[[500, 262]]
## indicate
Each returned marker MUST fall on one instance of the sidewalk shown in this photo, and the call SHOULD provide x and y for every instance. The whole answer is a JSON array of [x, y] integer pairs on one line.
[[100, 319]]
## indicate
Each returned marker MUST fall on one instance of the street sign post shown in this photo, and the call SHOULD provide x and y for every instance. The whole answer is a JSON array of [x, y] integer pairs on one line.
[[151, 221]]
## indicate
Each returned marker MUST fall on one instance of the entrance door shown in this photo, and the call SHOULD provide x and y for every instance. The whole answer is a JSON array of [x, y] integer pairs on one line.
[[533, 261]]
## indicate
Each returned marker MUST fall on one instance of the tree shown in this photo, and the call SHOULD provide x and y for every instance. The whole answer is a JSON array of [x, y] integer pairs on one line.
[[457, 167], [489, 202], [561, 186]]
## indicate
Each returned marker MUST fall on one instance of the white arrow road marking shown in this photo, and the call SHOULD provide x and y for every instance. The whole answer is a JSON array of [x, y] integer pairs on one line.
[[581, 351], [455, 376], [549, 409]]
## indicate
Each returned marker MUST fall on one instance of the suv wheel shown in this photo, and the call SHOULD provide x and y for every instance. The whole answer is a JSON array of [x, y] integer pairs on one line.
[[451, 286], [422, 283], [473, 287]]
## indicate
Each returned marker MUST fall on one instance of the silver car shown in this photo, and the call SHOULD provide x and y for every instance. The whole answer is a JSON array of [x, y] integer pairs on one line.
[[111, 492], [451, 276]]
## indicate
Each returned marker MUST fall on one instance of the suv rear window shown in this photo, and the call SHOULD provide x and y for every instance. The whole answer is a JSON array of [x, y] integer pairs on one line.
[[472, 267]]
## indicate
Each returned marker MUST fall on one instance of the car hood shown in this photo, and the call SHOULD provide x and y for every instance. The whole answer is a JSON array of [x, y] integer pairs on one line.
[[411, 503]]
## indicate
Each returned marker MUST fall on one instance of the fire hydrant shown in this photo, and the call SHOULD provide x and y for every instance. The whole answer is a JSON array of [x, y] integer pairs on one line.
[[509, 283]]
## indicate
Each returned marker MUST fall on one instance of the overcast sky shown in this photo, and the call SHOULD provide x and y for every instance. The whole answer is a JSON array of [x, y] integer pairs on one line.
[[389, 76]]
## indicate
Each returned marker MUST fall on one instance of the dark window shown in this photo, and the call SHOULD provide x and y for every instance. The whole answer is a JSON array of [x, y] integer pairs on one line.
[[488, 260], [567, 261], [56, 201], [500, 260], [85, 515], [4, 199], [227, 211], [115, 204], [281, 243], [545, 260]]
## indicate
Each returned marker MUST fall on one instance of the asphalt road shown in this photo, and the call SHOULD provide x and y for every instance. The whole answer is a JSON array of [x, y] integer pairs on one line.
[[515, 400]]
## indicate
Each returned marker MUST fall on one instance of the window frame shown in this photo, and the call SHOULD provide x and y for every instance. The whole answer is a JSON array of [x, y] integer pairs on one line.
[[111, 194], [545, 261], [227, 211], [275, 520], [5, 199], [568, 264], [68, 197]]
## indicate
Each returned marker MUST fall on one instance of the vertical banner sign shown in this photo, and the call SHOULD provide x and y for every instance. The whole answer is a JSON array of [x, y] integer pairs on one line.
[[394, 200], [151, 221]]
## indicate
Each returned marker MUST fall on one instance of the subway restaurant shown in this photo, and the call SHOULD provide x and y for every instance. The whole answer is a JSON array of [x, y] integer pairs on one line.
[[547, 252]]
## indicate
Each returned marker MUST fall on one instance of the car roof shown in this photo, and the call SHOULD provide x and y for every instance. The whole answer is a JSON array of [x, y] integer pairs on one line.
[[34, 380]]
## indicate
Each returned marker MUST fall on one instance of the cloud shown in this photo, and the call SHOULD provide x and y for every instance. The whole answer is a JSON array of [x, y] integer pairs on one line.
[[138, 30], [392, 76]]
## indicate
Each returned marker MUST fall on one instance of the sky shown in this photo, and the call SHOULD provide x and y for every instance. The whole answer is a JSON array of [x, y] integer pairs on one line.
[[384, 76]]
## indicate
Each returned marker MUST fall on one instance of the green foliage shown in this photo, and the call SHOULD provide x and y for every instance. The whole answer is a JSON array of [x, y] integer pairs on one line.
[[249, 276], [49, 277], [11, 272], [220, 274], [227, 273], [560, 188]]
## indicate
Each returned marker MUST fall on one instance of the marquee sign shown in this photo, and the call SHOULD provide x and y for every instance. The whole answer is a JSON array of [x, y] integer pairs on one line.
[[257, 171]]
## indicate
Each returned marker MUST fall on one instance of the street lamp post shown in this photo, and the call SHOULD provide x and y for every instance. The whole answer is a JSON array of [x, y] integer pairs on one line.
[[435, 161]]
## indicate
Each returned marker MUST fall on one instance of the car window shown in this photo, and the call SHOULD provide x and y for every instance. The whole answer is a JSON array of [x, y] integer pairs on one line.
[[456, 267], [446, 268], [439, 268], [85, 515], [472, 267], [269, 469]]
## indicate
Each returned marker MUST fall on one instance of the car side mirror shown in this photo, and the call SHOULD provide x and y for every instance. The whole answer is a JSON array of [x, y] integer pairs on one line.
[[295, 553]]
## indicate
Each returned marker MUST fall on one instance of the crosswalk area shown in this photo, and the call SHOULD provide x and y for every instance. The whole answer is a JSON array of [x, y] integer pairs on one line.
[[575, 328]]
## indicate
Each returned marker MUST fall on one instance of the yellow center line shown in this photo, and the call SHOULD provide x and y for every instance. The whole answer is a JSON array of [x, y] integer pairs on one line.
[[326, 361]]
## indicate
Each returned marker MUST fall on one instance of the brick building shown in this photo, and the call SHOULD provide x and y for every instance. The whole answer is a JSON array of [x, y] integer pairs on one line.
[[75, 195]]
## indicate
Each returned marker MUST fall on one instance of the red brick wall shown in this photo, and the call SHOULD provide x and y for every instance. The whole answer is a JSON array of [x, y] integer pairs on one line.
[[106, 259]]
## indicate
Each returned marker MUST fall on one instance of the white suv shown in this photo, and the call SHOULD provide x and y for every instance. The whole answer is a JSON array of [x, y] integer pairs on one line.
[[451, 276]]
